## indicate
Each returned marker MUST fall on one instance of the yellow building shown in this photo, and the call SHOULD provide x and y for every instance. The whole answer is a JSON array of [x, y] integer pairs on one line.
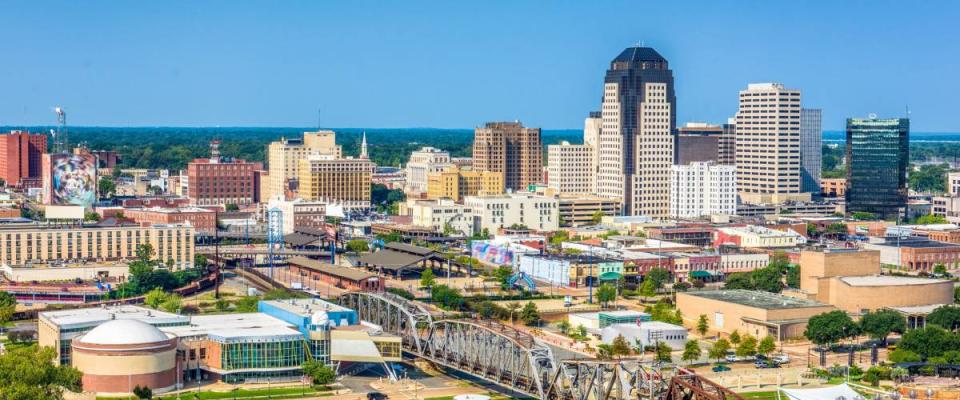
[[753, 312], [454, 183], [284, 156], [26, 244], [327, 178]]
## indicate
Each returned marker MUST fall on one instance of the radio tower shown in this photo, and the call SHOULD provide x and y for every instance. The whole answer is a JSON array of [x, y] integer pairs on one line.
[[60, 142]]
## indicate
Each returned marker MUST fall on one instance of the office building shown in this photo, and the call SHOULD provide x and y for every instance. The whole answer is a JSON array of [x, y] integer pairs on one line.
[[284, 156], [539, 213], [570, 168], [336, 180], [456, 184], [511, 149], [423, 162], [20, 156], [221, 180], [878, 153], [579, 210], [441, 215], [768, 144], [700, 142], [811, 150], [703, 188], [591, 137], [636, 141], [833, 187]]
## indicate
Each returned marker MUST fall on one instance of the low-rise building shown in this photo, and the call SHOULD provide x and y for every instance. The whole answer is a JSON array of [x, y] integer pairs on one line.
[[442, 215], [496, 212], [201, 219], [578, 210], [755, 313], [694, 235], [308, 272], [753, 236], [646, 334], [916, 254]]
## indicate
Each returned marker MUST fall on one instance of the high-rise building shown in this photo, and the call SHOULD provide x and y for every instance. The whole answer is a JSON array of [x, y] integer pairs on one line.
[[422, 163], [511, 149], [878, 152], [768, 144], [701, 142], [636, 141], [455, 184], [811, 150], [284, 156], [335, 179], [20, 156], [570, 168], [591, 137], [703, 188], [220, 180]]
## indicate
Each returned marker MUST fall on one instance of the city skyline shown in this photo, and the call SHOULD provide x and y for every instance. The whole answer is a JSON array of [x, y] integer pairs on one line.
[[393, 66]]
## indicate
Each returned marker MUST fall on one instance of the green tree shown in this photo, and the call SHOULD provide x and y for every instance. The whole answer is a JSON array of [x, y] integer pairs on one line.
[[747, 346], [563, 326], [947, 316], [357, 246], [940, 269], [793, 277], [530, 315], [596, 217], [663, 352], [155, 298], [604, 352], [142, 392], [929, 341], [221, 305], [719, 349], [173, 303], [930, 219], [503, 274], [767, 345], [879, 324], [691, 351], [606, 294], [231, 207], [648, 289], [659, 276], [702, 325], [106, 187], [144, 252], [30, 373], [735, 337], [512, 308], [90, 216], [901, 356], [320, 373], [247, 304], [929, 178], [8, 306], [581, 331], [863, 216], [620, 347], [830, 327], [427, 278], [199, 260]]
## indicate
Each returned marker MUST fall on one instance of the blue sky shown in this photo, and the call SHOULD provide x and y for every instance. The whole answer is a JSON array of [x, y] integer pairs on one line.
[[457, 64]]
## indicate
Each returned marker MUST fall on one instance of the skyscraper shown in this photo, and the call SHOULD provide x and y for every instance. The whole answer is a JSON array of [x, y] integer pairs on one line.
[[511, 149], [636, 142], [768, 144], [878, 152], [811, 150], [284, 156]]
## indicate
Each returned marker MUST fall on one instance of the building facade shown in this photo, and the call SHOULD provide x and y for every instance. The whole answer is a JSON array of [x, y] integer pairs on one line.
[[284, 156], [636, 141], [454, 183], [768, 144], [422, 163], [441, 215], [700, 142], [220, 181], [511, 149], [875, 145], [570, 168], [833, 187], [20, 156], [703, 188], [811, 150], [578, 210], [332, 179], [201, 219], [539, 213]]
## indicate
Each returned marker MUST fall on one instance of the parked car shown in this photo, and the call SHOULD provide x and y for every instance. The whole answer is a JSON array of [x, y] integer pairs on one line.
[[765, 364], [733, 358], [720, 368], [781, 358], [376, 396]]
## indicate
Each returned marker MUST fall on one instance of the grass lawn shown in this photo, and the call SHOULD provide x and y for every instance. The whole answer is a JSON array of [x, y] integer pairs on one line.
[[275, 393], [766, 395]]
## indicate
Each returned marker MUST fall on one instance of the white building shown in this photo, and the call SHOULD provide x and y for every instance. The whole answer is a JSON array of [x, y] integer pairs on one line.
[[703, 188], [648, 333], [570, 168], [441, 215], [423, 162], [768, 144], [539, 213], [753, 236]]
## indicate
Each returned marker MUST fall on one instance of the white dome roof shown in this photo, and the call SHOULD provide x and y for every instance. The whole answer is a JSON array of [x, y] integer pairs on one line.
[[124, 331]]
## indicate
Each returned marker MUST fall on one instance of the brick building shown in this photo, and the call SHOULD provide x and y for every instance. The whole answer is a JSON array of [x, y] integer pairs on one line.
[[20, 154], [220, 181], [201, 219]]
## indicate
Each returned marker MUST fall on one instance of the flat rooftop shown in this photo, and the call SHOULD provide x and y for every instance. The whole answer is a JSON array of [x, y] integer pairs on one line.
[[886, 280], [233, 326], [93, 316], [306, 307], [623, 313], [756, 299]]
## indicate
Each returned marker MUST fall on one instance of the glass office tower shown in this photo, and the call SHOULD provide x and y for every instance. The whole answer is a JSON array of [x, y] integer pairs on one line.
[[878, 151]]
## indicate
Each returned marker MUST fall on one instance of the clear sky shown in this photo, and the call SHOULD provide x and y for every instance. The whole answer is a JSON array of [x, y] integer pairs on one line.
[[457, 64]]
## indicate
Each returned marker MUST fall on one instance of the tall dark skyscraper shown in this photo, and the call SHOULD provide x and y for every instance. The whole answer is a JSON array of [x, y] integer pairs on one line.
[[636, 142], [878, 151]]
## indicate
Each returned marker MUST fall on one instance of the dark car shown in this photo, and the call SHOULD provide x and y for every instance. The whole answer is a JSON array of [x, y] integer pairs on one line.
[[766, 364], [720, 368], [376, 396]]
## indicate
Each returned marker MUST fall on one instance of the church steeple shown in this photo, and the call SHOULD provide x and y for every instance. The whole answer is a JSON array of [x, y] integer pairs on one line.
[[363, 146]]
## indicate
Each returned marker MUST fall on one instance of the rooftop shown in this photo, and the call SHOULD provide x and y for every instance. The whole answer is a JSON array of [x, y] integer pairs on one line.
[[637, 53], [85, 317], [886, 280], [124, 331], [306, 307], [233, 326], [756, 299]]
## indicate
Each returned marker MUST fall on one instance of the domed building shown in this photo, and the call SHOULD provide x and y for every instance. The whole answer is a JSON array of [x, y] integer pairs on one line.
[[119, 355]]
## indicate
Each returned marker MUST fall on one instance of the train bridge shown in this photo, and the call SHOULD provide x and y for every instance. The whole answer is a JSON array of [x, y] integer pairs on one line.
[[516, 360]]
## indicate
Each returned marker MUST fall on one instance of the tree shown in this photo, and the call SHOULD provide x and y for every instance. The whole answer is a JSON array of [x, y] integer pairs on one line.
[[221, 305], [142, 392], [659, 276], [767, 345], [144, 252], [503, 274], [863, 216], [8, 306], [929, 341], [901, 356], [928, 178], [512, 308], [879, 324], [779, 260], [155, 298], [663, 352], [940, 269], [320, 373], [604, 352], [172, 303], [563, 326], [620, 346], [747, 346], [90, 216], [30, 373], [793, 277], [231, 207], [606, 294], [947, 316], [702, 325], [597, 217], [931, 219], [735, 337], [106, 187], [648, 289], [830, 327], [357, 246], [529, 315], [247, 304], [427, 278], [199, 260], [719, 349], [691, 351]]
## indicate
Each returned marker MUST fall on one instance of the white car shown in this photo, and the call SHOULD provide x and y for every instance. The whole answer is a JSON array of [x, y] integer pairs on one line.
[[781, 358], [733, 358]]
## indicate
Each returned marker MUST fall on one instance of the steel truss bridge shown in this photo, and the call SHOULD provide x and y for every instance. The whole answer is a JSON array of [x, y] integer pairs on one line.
[[515, 360]]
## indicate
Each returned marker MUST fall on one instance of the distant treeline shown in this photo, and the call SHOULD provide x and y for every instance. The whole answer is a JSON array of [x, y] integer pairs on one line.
[[173, 148]]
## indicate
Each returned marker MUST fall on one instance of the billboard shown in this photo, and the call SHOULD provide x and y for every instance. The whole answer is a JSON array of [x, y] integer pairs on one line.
[[70, 179], [491, 254]]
